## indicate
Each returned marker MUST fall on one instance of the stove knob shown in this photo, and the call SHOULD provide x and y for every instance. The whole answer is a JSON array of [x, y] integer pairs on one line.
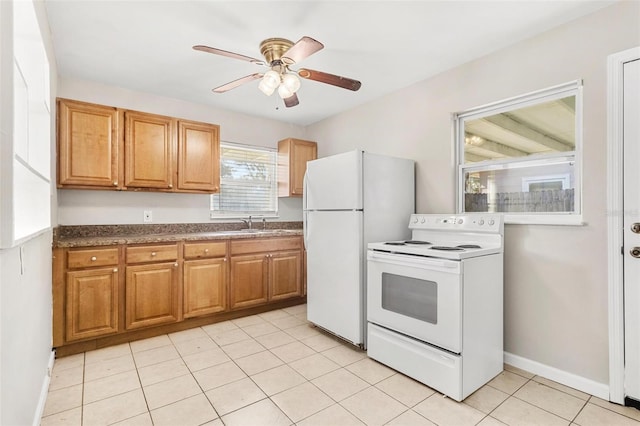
[[481, 222], [491, 222], [415, 219], [460, 221], [423, 220]]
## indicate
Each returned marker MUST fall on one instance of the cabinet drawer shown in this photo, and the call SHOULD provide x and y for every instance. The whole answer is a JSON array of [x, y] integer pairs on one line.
[[205, 249], [152, 253], [87, 258], [265, 245]]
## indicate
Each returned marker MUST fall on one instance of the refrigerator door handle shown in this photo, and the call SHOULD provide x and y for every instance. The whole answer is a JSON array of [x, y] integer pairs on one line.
[[304, 210]]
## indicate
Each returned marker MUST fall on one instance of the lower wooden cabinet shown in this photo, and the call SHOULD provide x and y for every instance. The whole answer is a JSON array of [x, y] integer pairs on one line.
[[205, 287], [151, 295], [272, 272], [285, 275], [92, 303], [106, 294], [249, 280]]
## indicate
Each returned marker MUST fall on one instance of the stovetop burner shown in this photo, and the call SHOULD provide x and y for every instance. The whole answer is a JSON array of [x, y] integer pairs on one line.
[[469, 246], [408, 242], [446, 248]]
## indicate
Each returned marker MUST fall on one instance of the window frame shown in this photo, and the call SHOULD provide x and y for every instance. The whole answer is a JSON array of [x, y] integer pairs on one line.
[[572, 88], [217, 214]]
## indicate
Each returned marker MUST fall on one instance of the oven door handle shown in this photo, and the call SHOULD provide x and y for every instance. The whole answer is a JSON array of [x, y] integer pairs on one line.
[[416, 262]]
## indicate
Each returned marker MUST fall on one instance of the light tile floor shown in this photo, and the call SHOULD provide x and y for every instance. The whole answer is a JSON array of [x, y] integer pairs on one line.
[[277, 369]]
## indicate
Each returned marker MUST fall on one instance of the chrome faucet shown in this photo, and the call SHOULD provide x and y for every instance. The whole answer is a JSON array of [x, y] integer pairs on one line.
[[248, 223]]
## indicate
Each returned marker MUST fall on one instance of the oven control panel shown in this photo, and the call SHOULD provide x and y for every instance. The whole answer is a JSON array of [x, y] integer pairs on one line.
[[480, 222]]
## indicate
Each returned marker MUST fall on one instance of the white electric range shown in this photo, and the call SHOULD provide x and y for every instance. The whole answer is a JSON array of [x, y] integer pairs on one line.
[[434, 302]]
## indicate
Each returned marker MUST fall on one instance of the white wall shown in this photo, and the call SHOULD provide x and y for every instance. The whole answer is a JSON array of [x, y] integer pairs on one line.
[[25, 273], [78, 207], [26, 328], [555, 276]]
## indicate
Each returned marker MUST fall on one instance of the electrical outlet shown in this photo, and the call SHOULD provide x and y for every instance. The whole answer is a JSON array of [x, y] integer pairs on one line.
[[148, 217]]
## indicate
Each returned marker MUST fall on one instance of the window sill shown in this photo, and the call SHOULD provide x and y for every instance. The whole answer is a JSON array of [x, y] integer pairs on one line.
[[544, 219], [240, 216]]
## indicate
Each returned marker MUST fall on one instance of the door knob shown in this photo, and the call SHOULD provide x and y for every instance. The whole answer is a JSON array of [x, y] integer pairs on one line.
[[635, 252], [635, 227]]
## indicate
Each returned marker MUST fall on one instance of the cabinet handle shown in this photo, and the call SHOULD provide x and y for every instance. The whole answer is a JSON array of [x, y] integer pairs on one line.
[[115, 183], [115, 269], [175, 264], [93, 258], [153, 253], [170, 185], [225, 259], [206, 250]]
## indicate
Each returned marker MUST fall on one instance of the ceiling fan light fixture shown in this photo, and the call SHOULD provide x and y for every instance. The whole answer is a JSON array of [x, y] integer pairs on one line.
[[291, 82], [269, 82], [284, 91]]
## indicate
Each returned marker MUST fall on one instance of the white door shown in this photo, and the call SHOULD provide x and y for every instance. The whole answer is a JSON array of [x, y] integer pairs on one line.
[[631, 137], [334, 272], [335, 182]]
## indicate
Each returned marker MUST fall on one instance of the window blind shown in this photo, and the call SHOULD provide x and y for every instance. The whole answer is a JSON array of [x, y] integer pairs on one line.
[[248, 181]]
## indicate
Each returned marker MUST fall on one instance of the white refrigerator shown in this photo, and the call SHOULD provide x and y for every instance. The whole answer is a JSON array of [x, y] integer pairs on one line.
[[350, 200]]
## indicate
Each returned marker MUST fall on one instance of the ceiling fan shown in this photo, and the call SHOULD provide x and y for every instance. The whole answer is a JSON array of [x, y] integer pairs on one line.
[[279, 55]]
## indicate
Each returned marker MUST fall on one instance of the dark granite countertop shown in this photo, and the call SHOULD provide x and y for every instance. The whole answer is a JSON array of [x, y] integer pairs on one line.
[[106, 235]]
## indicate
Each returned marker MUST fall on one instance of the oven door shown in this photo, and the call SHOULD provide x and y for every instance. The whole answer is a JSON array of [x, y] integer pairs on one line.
[[417, 296]]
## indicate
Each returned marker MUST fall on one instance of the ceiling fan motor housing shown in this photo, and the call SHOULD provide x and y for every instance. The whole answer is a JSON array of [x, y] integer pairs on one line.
[[273, 48]]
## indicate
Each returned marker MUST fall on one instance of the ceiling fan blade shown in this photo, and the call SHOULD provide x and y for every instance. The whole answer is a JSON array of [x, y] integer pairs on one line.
[[228, 54], [334, 80], [291, 101], [235, 83], [303, 48]]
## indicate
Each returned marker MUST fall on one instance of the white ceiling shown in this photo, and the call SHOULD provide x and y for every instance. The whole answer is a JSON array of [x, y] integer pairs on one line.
[[387, 45]]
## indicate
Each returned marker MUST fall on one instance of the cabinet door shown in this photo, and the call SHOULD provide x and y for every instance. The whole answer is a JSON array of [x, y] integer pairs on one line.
[[285, 278], [248, 280], [151, 295], [205, 287], [92, 303], [293, 155], [301, 152], [88, 145], [198, 156], [149, 150]]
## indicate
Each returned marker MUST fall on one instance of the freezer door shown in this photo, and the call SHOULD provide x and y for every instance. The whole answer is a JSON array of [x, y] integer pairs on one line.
[[335, 287], [335, 182]]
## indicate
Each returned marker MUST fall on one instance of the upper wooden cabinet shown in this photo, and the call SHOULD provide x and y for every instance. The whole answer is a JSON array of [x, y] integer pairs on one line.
[[149, 141], [293, 155], [88, 145], [198, 156], [101, 147]]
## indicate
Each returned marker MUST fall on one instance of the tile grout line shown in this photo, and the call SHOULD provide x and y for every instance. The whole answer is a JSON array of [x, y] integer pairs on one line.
[[613, 411], [196, 380], [144, 395], [507, 398]]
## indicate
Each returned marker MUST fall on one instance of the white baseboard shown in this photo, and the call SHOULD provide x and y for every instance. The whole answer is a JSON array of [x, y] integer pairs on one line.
[[601, 390], [44, 390]]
